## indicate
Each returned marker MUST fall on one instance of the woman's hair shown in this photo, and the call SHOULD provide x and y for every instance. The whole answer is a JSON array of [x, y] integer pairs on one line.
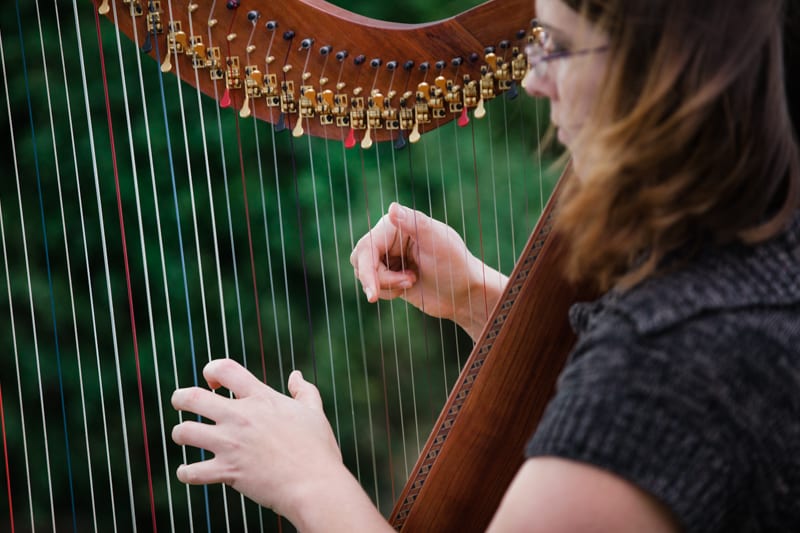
[[689, 143]]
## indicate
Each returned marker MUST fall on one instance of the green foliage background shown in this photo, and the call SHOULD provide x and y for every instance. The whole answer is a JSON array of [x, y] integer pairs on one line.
[[79, 389]]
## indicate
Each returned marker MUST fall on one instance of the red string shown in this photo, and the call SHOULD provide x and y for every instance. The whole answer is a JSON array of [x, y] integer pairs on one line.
[[249, 237], [5, 454], [127, 267]]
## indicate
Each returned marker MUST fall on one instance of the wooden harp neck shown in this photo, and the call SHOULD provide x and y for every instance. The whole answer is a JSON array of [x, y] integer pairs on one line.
[[321, 70]]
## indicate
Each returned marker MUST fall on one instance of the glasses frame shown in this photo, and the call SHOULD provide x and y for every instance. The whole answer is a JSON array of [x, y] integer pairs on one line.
[[538, 60]]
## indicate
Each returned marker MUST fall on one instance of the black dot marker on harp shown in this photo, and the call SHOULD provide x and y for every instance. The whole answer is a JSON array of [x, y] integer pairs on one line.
[[375, 63], [341, 55], [408, 65], [288, 35], [253, 16], [271, 25], [359, 60], [473, 57], [306, 43], [232, 4], [457, 61], [325, 50], [440, 64]]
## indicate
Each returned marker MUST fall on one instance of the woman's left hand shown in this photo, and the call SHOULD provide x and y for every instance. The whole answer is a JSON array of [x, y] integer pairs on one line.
[[268, 446]]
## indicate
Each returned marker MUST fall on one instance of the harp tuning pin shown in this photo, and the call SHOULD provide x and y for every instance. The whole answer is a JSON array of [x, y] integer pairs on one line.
[[325, 50], [297, 131], [232, 4], [271, 25], [391, 65], [244, 112], [408, 65], [440, 65], [359, 60], [305, 44], [463, 120], [366, 142], [253, 16], [415, 136], [103, 9], [480, 111], [350, 141], [375, 63], [341, 55], [400, 143], [226, 99], [166, 65]]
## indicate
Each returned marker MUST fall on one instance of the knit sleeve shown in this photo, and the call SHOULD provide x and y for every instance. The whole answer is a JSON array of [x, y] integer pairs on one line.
[[650, 413]]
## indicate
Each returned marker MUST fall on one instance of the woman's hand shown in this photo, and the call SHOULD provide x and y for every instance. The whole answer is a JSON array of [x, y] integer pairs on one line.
[[278, 451], [407, 254]]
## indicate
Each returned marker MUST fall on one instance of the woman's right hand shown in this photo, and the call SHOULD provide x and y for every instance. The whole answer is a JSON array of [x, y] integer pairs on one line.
[[410, 255]]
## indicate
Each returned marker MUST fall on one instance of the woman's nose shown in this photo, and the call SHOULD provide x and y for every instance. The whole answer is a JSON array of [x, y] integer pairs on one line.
[[539, 85]]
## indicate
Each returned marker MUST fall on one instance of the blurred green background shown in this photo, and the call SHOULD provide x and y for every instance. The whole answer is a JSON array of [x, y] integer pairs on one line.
[[80, 390]]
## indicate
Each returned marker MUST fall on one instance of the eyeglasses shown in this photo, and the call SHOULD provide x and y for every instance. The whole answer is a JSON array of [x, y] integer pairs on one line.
[[542, 50]]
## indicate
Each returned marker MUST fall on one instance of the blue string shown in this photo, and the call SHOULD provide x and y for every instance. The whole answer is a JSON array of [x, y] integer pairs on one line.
[[49, 274], [183, 259]]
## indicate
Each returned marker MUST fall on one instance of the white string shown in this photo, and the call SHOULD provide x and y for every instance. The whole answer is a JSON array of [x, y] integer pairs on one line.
[[66, 242], [82, 219], [382, 202], [357, 292], [408, 316], [107, 270], [8, 287], [324, 290], [145, 269]]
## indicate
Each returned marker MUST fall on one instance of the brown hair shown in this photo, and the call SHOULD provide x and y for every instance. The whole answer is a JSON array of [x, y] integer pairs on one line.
[[689, 143]]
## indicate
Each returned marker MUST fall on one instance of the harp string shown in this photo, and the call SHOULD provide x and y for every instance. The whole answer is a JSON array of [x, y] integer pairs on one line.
[[126, 263], [5, 440], [156, 230], [34, 148]]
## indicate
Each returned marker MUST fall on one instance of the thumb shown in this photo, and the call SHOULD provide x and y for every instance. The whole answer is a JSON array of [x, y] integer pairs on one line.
[[409, 221], [303, 391]]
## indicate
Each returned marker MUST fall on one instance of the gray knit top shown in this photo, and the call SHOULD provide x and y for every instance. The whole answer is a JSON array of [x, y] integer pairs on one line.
[[688, 386]]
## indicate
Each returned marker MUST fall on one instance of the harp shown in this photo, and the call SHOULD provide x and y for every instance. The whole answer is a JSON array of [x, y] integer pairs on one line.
[[145, 250]]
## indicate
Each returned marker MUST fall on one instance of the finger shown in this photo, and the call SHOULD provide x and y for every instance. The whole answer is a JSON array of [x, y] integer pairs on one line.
[[198, 435], [395, 279], [200, 401], [366, 271], [303, 391], [409, 221], [233, 376], [202, 473]]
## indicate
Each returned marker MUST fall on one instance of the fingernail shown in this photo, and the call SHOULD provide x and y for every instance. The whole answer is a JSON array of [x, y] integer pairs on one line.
[[405, 284], [400, 213], [369, 293]]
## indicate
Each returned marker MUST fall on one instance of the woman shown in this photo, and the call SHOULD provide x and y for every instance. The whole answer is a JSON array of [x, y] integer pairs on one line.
[[678, 408]]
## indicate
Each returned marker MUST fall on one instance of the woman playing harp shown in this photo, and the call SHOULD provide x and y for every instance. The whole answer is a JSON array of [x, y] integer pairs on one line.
[[678, 407]]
